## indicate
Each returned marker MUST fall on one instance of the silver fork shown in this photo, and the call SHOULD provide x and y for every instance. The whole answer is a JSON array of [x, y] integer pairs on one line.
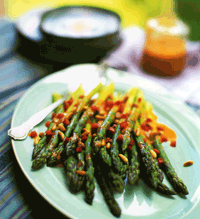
[[21, 132]]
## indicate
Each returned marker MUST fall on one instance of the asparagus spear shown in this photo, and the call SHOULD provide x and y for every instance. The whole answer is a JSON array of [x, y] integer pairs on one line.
[[133, 169], [133, 116], [163, 189], [161, 176], [117, 164], [70, 170], [107, 193], [151, 166], [172, 176], [148, 162], [133, 93], [38, 147], [43, 140], [45, 152], [101, 136], [116, 181], [80, 167], [100, 139], [55, 97], [90, 184], [116, 161], [139, 120], [105, 156], [70, 165]]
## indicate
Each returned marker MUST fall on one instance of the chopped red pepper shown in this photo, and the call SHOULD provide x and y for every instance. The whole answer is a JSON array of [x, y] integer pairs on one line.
[[76, 104], [148, 120], [160, 162], [108, 140], [120, 137], [67, 103], [149, 126], [70, 101], [84, 138], [126, 98], [92, 102], [94, 108], [159, 128], [81, 96], [60, 115], [66, 122], [132, 142], [173, 143], [53, 115], [121, 108], [135, 105], [139, 99], [108, 103], [112, 130], [129, 148], [117, 103], [144, 127], [33, 134], [94, 125], [49, 132], [79, 149], [124, 116], [47, 123], [123, 125], [156, 150], [163, 139]]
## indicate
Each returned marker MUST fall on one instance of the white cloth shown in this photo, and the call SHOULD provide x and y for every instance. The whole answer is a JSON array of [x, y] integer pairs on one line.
[[186, 85]]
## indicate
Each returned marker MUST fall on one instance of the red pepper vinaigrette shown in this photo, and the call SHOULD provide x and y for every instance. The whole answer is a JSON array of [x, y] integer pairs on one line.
[[167, 132], [165, 48]]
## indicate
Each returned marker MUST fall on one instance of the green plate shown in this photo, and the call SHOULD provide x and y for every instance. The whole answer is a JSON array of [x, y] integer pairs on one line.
[[138, 201]]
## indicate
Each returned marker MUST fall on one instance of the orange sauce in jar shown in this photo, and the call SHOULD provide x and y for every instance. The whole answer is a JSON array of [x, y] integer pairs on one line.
[[165, 51]]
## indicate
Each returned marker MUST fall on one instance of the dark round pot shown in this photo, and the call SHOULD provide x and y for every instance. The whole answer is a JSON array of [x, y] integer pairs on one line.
[[64, 44]]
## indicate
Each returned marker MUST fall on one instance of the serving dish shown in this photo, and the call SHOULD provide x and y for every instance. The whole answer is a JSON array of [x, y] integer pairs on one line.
[[138, 201], [29, 36], [76, 34], [79, 34]]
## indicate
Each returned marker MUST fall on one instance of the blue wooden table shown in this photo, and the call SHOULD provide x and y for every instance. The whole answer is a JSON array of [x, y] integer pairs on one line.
[[18, 199]]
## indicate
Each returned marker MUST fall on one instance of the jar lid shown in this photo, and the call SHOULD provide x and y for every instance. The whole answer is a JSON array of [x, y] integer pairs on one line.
[[178, 29]]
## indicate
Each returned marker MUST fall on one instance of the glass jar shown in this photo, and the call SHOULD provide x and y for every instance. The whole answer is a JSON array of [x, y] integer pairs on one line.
[[165, 49]]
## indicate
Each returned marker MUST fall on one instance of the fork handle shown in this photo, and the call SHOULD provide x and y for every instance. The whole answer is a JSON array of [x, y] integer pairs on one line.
[[21, 132]]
